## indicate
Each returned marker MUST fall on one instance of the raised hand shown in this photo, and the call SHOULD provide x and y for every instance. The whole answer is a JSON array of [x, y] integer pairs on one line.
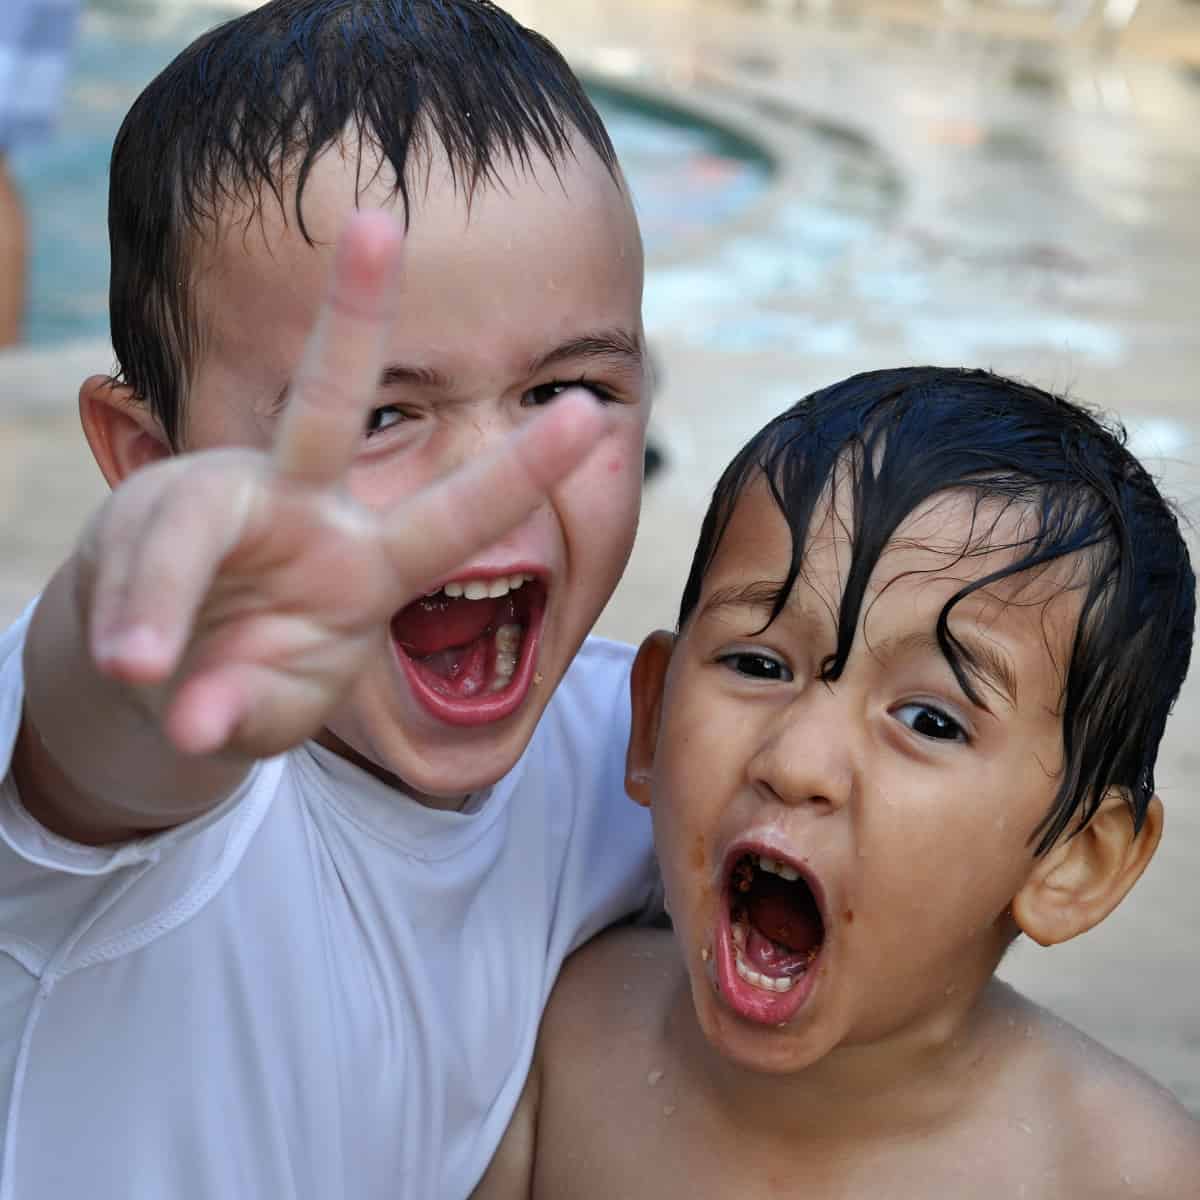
[[238, 594]]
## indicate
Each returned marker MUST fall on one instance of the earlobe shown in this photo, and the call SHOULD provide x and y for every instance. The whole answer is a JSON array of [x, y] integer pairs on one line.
[[1081, 879], [646, 685], [121, 430]]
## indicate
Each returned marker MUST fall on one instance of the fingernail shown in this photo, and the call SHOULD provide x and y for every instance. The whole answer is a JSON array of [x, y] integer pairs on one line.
[[138, 646]]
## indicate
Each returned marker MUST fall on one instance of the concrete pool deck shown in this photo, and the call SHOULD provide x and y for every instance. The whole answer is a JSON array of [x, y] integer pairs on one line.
[[1026, 205]]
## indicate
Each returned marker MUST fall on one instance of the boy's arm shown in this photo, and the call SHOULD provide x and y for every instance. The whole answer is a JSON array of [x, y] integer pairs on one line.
[[221, 603]]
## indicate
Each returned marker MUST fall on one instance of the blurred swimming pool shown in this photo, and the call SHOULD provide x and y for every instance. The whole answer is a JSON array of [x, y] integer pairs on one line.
[[684, 175]]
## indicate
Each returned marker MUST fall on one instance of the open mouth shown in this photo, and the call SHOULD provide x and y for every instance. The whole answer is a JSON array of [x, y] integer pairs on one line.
[[773, 933], [469, 648]]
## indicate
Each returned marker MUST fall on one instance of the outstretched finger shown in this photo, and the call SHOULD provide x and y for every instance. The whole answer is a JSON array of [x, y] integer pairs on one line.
[[441, 527], [148, 589], [334, 388]]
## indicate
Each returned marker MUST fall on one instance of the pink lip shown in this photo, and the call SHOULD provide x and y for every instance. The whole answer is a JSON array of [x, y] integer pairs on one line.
[[494, 706], [747, 1001]]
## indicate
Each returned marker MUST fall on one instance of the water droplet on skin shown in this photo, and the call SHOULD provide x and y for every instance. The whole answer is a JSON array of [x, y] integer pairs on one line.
[[654, 1078], [538, 677], [705, 954], [668, 1110], [1024, 1126]]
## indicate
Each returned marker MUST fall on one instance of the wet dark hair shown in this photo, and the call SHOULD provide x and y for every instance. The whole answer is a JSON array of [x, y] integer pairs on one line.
[[245, 110], [897, 438]]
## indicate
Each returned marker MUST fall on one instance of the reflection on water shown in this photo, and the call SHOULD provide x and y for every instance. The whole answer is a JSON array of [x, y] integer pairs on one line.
[[685, 177]]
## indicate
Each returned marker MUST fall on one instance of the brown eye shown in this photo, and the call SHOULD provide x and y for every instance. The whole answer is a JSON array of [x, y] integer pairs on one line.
[[930, 722], [544, 393], [383, 418], [756, 665]]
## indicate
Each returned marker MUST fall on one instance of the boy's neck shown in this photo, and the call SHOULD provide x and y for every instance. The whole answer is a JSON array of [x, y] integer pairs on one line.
[[331, 741], [915, 1082]]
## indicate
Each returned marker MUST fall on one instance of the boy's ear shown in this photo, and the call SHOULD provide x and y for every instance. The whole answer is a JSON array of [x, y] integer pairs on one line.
[[1080, 880], [646, 685], [121, 430]]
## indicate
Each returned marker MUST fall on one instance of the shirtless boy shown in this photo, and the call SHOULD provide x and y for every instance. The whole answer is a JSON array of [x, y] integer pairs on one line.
[[305, 792], [932, 632]]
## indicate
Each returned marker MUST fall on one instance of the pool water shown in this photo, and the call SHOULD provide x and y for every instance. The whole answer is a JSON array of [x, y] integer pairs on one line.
[[684, 175]]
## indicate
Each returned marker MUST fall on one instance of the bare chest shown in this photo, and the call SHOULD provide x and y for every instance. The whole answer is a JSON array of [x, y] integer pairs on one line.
[[661, 1151]]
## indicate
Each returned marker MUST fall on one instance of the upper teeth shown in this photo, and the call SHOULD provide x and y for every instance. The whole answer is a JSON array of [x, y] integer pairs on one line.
[[778, 868], [483, 589]]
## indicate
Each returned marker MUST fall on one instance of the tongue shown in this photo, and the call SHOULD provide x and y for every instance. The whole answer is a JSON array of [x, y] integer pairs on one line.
[[770, 957], [439, 622], [774, 912]]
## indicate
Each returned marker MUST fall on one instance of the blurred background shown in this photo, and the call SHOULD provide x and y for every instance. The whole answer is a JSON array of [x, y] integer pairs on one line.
[[824, 187]]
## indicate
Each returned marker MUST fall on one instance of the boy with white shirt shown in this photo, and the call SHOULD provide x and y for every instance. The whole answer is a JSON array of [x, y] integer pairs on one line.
[[290, 859]]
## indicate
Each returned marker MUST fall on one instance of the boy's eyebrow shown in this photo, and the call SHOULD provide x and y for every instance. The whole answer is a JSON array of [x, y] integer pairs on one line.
[[988, 659], [611, 343], [616, 343], [762, 593], [390, 376]]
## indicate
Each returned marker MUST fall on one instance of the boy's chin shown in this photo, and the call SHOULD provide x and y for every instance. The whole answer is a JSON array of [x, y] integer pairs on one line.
[[763, 1050], [441, 776]]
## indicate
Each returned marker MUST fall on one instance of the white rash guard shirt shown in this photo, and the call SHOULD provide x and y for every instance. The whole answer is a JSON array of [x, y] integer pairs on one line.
[[320, 990]]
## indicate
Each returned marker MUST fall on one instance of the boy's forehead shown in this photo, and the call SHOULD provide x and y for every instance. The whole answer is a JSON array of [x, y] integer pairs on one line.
[[352, 173], [947, 543], [565, 230]]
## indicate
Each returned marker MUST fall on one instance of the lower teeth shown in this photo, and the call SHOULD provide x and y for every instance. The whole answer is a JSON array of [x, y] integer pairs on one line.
[[508, 653], [769, 983]]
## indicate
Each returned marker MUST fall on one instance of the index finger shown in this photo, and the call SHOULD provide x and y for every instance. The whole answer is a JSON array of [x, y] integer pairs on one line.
[[335, 385], [439, 528]]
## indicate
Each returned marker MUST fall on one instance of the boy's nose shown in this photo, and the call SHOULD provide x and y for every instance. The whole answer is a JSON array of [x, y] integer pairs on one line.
[[472, 433], [809, 754]]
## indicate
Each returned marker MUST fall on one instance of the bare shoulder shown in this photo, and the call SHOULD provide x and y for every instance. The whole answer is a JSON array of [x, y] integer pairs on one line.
[[1118, 1132], [610, 989], [606, 1066], [596, 1033]]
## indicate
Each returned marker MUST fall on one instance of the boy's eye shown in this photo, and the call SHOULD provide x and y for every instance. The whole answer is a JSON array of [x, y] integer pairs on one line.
[[756, 665], [544, 393], [383, 418], [930, 722]]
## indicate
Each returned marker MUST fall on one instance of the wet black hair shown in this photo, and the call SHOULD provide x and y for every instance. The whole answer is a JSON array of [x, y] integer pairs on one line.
[[897, 438], [243, 113]]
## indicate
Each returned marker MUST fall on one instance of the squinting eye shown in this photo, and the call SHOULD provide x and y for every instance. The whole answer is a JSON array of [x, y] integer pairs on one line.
[[930, 722], [383, 418], [756, 666], [544, 393]]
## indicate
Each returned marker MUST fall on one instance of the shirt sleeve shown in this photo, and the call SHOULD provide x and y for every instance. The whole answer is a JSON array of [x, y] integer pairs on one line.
[[63, 904], [609, 872], [27, 838]]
